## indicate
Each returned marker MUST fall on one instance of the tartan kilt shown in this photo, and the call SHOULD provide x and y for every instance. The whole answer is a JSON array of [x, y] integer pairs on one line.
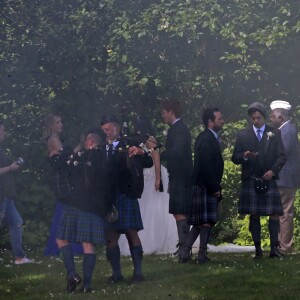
[[262, 204], [180, 196], [204, 207], [129, 215], [79, 226]]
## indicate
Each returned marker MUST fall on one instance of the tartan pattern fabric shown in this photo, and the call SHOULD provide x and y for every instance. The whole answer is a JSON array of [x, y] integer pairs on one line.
[[129, 215], [76, 225], [180, 196], [262, 204], [204, 207]]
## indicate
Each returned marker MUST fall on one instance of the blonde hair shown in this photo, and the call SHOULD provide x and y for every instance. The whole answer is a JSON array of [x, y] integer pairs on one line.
[[49, 120]]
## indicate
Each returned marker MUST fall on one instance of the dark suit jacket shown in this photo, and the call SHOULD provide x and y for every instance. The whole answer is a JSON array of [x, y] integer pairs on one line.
[[208, 163], [178, 153], [129, 172], [271, 151], [289, 175]]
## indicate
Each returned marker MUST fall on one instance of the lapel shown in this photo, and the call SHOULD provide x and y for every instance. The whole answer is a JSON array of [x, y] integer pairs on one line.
[[266, 140], [253, 141], [212, 137]]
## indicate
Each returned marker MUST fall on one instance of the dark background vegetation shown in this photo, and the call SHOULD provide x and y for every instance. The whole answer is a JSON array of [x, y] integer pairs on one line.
[[87, 58]]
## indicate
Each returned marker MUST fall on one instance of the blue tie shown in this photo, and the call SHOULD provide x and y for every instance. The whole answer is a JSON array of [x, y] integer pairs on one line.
[[258, 134]]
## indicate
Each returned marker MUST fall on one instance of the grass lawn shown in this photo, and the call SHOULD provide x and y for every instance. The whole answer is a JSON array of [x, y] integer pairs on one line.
[[228, 276]]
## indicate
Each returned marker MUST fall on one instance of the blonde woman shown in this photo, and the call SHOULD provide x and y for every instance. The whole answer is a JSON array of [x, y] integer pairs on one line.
[[52, 136]]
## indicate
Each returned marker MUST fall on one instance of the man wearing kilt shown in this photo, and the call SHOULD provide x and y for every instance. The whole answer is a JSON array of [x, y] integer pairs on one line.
[[178, 155], [260, 151], [90, 198], [207, 176], [127, 162]]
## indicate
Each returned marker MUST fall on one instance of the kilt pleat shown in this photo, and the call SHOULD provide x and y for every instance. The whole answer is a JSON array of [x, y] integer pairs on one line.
[[129, 215], [80, 226], [262, 204], [204, 207], [180, 196]]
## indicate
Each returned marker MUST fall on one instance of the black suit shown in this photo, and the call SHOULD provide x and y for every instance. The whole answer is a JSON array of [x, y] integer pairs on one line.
[[178, 155], [207, 176], [208, 164], [271, 152]]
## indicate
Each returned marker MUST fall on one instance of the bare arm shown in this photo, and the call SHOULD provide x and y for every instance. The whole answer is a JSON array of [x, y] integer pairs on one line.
[[12, 167], [151, 143], [54, 145]]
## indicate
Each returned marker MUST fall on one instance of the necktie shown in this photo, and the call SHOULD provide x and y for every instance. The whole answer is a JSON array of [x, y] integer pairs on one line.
[[258, 134], [110, 151]]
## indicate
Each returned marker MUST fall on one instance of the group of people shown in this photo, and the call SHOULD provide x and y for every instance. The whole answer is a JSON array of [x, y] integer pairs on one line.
[[111, 185]]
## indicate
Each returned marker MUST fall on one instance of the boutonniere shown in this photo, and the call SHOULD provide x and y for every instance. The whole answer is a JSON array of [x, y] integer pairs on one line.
[[165, 132], [270, 134]]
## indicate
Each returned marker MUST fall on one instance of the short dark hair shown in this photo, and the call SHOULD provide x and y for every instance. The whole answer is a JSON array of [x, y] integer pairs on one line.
[[97, 134], [173, 105], [209, 114]]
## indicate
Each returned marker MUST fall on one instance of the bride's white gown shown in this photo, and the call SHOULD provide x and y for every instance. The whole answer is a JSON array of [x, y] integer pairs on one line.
[[160, 231]]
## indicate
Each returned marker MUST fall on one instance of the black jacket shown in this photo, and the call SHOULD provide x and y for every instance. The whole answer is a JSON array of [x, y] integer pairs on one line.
[[91, 180], [271, 151], [178, 153], [208, 162], [129, 171]]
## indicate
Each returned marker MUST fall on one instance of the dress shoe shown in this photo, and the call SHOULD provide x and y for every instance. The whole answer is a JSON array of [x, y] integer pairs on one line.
[[72, 283], [85, 290], [115, 279], [137, 278], [274, 253], [202, 259], [258, 254], [184, 260]]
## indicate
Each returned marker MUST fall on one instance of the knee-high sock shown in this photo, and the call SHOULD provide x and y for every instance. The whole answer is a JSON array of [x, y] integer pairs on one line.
[[273, 230], [183, 231], [114, 257], [193, 234], [68, 260], [205, 232], [88, 265], [255, 229], [137, 256]]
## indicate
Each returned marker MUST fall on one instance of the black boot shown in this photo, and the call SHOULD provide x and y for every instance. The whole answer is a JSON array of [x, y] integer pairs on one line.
[[137, 256], [255, 229], [114, 258], [183, 231], [68, 259], [88, 265], [274, 230], [186, 253], [205, 232]]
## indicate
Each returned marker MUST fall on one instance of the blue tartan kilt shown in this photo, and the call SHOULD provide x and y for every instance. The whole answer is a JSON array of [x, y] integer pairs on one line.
[[79, 226], [204, 207], [129, 215], [180, 196], [262, 204]]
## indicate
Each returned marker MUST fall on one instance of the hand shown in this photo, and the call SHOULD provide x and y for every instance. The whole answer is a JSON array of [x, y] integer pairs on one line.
[[14, 167], [249, 154], [132, 151], [157, 184], [268, 175]]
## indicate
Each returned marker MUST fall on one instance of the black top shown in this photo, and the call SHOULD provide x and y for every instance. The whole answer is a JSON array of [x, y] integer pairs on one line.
[[208, 163], [129, 171], [178, 153], [91, 181]]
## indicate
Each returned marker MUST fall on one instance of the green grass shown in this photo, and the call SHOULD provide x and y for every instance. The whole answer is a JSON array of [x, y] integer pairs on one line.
[[228, 276]]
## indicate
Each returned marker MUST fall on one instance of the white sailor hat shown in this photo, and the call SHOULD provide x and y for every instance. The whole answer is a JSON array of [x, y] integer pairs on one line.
[[280, 104]]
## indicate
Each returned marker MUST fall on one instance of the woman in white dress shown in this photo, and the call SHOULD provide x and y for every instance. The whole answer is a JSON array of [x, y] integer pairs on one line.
[[160, 234]]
